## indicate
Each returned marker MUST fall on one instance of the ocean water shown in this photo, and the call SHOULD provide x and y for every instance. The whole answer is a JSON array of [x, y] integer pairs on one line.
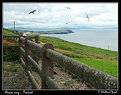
[[100, 38]]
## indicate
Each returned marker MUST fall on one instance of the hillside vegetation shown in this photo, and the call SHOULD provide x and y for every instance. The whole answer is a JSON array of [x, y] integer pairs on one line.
[[7, 41], [63, 31], [101, 59], [79, 51], [9, 32]]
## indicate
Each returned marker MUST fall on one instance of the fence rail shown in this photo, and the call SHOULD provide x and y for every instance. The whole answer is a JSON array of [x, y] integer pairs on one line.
[[34, 83], [37, 47], [8, 46], [14, 36], [91, 76], [35, 65], [42, 69], [51, 84]]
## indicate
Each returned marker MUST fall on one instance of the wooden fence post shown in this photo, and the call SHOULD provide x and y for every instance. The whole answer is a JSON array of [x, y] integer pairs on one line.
[[36, 38], [27, 52], [46, 65], [19, 44], [19, 41]]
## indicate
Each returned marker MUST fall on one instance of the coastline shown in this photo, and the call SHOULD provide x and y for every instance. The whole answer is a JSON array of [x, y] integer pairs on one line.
[[63, 31], [104, 39]]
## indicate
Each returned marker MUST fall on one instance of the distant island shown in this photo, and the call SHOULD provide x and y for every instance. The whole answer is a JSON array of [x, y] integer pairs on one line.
[[63, 31]]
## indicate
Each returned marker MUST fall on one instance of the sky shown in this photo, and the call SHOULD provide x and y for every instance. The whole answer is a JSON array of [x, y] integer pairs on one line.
[[55, 15]]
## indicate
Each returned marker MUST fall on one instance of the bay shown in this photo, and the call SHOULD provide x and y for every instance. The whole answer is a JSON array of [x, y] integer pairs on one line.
[[100, 38]]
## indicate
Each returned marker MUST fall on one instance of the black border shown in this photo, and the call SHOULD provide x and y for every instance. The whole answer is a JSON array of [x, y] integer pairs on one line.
[[61, 92]]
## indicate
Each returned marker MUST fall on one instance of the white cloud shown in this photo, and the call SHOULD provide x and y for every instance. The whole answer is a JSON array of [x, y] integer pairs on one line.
[[56, 15]]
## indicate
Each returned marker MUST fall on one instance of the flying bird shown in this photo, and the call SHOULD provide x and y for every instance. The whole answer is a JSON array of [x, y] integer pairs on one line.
[[66, 23], [87, 17], [32, 11], [68, 7]]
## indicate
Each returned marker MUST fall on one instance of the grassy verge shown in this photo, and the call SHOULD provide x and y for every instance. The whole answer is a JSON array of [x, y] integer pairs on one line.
[[107, 66], [76, 50], [101, 59], [10, 53], [12, 66], [9, 32]]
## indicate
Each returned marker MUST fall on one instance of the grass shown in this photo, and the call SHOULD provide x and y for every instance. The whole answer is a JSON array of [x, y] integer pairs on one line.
[[12, 67], [107, 66], [8, 32], [101, 59], [76, 50], [69, 83], [15, 80], [11, 54]]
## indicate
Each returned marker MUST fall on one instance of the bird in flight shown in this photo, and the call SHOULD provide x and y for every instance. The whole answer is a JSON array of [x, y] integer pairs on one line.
[[32, 11], [68, 7], [66, 23], [87, 17]]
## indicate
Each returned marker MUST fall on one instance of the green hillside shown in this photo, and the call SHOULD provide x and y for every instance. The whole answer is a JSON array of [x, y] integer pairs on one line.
[[101, 59], [8, 32], [64, 31]]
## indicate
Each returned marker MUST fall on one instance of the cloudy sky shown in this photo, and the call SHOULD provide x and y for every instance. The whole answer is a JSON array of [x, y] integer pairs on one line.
[[55, 15]]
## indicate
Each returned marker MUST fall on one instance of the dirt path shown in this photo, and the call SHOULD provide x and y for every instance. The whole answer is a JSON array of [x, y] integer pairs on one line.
[[64, 80], [14, 77], [68, 82]]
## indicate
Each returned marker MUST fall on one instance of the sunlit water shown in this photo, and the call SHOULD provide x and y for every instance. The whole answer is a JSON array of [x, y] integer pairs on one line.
[[105, 39]]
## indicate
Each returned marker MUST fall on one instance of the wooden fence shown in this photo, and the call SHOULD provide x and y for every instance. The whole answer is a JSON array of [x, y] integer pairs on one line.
[[45, 69]]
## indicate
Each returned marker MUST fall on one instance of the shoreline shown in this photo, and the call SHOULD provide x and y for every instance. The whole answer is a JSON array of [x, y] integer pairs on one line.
[[80, 43], [64, 31]]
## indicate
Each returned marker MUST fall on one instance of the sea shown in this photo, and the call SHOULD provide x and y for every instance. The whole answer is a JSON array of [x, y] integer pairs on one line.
[[100, 38]]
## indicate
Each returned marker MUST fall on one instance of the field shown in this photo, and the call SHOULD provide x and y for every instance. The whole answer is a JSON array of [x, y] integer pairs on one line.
[[107, 66], [101, 59]]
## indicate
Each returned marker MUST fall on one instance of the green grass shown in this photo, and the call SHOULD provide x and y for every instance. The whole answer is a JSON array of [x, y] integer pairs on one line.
[[15, 80], [12, 67], [8, 32], [11, 54], [107, 66], [101, 59], [78, 50]]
